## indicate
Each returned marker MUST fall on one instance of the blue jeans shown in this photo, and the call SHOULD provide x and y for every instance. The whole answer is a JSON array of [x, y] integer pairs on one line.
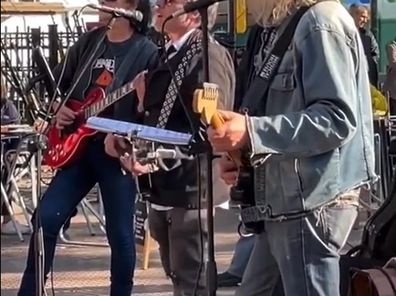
[[67, 189], [243, 250], [303, 253]]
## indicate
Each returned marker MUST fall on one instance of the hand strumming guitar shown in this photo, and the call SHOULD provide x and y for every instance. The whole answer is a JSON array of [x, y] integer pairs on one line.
[[64, 116]]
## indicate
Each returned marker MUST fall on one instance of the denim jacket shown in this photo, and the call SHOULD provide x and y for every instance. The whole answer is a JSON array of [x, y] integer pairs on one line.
[[316, 121]]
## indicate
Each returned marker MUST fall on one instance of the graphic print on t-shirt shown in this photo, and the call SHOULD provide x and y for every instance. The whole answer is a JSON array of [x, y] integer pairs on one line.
[[103, 70]]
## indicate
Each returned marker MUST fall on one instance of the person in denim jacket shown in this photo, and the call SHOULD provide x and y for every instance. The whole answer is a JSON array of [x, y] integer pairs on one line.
[[316, 126]]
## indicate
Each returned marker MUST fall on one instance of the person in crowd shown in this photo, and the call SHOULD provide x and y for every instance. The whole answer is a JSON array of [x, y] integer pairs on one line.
[[309, 138], [125, 52], [361, 16], [390, 82], [9, 115]]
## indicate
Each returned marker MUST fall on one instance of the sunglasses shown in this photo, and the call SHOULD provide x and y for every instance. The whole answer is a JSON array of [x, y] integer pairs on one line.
[[162, 3]]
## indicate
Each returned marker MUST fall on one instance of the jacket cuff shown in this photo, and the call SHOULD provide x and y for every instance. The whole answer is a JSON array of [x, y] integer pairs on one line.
[[258, 146]]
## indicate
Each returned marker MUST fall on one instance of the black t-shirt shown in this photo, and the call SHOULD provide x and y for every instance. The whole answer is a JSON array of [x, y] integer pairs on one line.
[[103, 68]]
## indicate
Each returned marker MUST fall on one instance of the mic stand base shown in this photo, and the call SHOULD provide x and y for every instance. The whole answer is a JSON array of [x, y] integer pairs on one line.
[[36, 147], [211, 266]]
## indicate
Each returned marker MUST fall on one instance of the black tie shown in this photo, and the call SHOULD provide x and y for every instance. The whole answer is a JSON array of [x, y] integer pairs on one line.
[[170, 51]]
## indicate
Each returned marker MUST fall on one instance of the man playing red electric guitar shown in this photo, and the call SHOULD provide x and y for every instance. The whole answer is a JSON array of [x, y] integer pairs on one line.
[[125, 52]]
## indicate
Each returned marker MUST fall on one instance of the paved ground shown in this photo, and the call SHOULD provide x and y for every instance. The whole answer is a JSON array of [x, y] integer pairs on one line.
[[84, 270]]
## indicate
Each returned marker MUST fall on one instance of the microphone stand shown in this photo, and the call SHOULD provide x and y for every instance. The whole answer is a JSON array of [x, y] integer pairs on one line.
[[211, 269], [38, 146]]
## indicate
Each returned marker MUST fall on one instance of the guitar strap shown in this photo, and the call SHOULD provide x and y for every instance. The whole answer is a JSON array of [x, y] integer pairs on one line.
[[259, 87], [174, 86]]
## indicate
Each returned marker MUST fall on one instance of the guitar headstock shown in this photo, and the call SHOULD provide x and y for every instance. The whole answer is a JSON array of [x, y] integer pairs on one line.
[[205, 101]]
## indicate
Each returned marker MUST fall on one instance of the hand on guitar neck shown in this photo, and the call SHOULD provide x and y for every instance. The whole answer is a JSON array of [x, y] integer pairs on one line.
[[224, 132], [227, 131]]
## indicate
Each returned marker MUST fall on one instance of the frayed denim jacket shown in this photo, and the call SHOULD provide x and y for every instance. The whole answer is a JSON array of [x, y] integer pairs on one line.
[[316, 120]]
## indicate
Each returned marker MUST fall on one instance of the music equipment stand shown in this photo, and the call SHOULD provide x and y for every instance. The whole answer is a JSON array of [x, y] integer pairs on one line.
[[211, 269]]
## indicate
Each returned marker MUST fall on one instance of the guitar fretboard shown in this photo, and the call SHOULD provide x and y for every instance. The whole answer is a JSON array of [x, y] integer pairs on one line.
[[110, 99]]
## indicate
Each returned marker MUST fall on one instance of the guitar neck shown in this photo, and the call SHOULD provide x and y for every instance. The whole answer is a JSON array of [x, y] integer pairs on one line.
[[97, 107]]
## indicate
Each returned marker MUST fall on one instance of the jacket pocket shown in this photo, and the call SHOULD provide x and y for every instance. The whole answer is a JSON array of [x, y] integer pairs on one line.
[[282, 96], [283, 82]]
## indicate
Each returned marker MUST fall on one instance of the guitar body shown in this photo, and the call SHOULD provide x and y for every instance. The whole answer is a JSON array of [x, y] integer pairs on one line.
[[242, 195], [66, 146]]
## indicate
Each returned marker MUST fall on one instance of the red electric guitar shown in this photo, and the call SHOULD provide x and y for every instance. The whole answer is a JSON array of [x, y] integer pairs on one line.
[[65, 147]]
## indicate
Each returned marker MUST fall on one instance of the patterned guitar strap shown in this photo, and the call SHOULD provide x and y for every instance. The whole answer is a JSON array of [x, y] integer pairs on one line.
[[173, 89]]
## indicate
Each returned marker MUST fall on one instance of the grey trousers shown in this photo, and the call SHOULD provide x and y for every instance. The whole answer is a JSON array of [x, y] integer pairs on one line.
[[178, 236]]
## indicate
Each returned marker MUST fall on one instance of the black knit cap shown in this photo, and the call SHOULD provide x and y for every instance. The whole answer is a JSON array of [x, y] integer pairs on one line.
[[145, 8]]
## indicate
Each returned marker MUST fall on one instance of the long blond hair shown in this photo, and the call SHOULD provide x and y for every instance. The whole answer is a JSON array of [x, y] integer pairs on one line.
[[272, 12]]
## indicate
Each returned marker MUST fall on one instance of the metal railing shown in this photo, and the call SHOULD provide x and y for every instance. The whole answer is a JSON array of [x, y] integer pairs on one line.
[[20, 69]]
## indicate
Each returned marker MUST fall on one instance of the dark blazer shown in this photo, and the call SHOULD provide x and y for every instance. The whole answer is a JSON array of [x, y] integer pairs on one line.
[[179, 187], [371, 51]]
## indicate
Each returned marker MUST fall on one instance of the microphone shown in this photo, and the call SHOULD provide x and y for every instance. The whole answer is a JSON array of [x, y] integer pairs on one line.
[[162, 153], [45, 71], [119, 12], [195, 5]]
